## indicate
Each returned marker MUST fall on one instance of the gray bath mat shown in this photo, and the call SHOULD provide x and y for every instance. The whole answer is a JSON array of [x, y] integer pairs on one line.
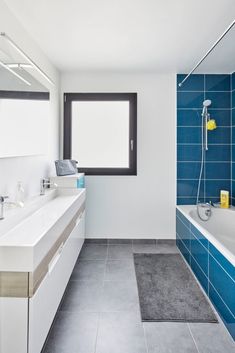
[[168, 291]]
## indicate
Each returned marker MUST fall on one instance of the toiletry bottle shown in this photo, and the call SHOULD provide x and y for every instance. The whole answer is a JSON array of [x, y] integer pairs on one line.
[[224, 199], [20, 194]]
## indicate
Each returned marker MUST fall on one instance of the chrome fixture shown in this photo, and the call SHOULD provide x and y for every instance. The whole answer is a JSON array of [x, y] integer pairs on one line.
[[205, 117], [205, 207], [204, 211], [208, 52], [45, 183], [2, 203], [26, 57]]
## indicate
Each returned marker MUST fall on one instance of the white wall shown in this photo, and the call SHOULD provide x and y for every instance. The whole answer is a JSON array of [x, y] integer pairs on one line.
[[141, 206], [29, 170]]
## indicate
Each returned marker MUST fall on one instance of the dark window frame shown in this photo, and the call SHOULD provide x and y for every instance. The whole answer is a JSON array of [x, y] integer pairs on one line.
[[27, 95], [67, 144]]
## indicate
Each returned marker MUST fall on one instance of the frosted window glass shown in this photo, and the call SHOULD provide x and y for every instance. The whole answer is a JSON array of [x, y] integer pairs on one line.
[[23, 127], [100, 134]]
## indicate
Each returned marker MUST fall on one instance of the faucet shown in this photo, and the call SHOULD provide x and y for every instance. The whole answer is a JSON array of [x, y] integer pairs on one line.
[[44, 183], [2, 202]]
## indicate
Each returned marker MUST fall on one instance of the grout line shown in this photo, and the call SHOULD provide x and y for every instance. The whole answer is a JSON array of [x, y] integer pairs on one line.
[[145, 338], [102, 289], [194, 340]]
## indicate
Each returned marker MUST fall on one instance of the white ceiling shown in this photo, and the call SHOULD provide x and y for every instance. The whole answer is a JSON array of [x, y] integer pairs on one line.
[[126, 35]]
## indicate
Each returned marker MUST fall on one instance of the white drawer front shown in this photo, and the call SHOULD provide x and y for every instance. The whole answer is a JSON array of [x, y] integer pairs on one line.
[[13, 325], [44, 304]]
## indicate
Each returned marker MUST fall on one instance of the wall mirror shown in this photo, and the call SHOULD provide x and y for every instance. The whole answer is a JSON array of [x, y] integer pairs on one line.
[[24, 104]]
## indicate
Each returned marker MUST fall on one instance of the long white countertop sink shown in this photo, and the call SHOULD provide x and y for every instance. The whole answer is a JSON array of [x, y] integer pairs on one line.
[[26, 235]]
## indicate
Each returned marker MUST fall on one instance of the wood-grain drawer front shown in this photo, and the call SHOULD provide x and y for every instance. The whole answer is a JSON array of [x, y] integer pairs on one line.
[[44, 304]]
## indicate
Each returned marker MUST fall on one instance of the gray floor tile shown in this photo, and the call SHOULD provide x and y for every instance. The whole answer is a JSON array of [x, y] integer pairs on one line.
[[120, 333], [93, 252], [145, 248], [73, 333], [144, 241], [165, 241], [119, 296], [101, 241], [119, 241], [89, 270], [166, 248], [169, 337], [82, 296], [120, 270], [121, 251], [212, 338]]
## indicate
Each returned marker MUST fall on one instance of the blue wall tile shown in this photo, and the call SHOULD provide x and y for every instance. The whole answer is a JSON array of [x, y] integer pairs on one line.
[[233, 81], [216, 87], [233, 116], [190, 99], [222, 117], [188, 170], [193, 83], [218, 153], [188, 117], [215, 82], [186, 200], [183, 218], [216, 170], [189, 153], [223, 283], [200, 254], [185, 252], [233, 188], [199, 236], [220, 135], [188, 135], [229, 268], [233, 98], [225, 314], [233, 134], [219, 99], [214, 272], [188, 187], [199, 274], [183, 232], [213, 187]]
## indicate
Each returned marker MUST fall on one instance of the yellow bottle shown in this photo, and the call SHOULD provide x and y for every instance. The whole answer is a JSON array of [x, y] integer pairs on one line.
[[224, 199]]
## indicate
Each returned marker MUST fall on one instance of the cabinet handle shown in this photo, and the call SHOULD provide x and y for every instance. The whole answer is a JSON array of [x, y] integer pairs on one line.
[[79, 219], [55, 258]]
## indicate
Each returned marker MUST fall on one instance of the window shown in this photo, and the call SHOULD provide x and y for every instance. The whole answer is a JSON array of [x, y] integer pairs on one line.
[[100, 132]]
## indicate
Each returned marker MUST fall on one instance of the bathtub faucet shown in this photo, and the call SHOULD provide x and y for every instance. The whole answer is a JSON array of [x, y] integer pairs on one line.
[[206, 210]]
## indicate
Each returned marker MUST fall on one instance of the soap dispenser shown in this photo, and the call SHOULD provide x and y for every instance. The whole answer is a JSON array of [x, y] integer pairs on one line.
[[20, 194]]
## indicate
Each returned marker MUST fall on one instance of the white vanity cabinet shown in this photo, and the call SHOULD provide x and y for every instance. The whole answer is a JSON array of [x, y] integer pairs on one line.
[[25, 322], [44, 304]]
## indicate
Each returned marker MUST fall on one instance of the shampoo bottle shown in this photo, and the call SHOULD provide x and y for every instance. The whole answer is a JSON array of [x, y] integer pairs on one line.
[[20, 194], [224, 199]]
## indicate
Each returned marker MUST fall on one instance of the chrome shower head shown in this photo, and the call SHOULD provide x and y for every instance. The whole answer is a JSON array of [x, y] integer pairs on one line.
[[207, 103]]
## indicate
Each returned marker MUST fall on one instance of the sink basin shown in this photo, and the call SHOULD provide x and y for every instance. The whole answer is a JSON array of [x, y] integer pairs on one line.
[[27, 234]]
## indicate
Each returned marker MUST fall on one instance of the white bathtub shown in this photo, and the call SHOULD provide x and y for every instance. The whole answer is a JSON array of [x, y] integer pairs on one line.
[[219, 229]]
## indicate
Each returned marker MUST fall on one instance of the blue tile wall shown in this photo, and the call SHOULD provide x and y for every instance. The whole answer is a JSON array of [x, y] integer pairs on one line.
[[233, 137], [213, 271], [217, 172]]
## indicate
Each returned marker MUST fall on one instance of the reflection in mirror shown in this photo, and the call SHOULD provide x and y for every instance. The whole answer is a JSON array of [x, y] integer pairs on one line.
[[24, 106]]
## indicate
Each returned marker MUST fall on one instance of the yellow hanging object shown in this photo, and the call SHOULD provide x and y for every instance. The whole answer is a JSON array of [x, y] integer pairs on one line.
[[211, 124]]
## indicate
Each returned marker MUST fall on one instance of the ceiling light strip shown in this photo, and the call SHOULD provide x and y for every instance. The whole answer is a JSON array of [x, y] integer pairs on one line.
[[208, 52], [21, 52], [14, 73]]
